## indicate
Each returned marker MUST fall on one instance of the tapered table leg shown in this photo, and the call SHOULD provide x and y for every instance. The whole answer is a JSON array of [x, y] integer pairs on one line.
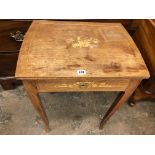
[[35, 100], [133, 84]]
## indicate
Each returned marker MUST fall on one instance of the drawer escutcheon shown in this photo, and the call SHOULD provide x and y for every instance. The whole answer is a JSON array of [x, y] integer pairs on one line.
[[83, 84]]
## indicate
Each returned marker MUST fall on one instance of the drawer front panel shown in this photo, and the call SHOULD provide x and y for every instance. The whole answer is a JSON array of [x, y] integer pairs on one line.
[[11, 27], [82, 85]]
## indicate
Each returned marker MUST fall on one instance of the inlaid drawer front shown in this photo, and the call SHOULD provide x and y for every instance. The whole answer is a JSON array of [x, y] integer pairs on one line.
[[12, 33], [59, 85]]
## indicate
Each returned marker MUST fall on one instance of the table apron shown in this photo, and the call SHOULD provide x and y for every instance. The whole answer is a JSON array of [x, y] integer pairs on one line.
[[62, 85]]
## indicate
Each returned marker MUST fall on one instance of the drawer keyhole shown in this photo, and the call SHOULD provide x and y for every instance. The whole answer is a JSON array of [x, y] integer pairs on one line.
[[83, 85]]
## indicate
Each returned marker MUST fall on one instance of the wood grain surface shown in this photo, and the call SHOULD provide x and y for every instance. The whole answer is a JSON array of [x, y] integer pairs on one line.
[[145, 40], [58, 49]]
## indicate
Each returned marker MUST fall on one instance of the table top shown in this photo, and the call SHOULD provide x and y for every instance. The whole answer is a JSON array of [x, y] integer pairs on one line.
[[53, 49]]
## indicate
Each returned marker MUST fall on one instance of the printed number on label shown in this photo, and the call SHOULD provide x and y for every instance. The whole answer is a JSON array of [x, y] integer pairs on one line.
[[81, 72]]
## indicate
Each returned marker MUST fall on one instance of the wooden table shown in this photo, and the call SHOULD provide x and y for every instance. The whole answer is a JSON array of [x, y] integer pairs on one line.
[[79, 56]]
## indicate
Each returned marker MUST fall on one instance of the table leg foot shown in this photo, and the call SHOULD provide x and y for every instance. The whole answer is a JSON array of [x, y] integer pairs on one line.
[[131, 103], [102, 124], [47, 129], [120, 100], [35, 100]]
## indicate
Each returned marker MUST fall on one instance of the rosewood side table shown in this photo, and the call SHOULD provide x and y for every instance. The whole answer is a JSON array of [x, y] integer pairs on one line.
[[61, 56]]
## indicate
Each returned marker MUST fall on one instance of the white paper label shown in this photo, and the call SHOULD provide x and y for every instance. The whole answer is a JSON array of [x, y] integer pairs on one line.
[[81, 72]]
